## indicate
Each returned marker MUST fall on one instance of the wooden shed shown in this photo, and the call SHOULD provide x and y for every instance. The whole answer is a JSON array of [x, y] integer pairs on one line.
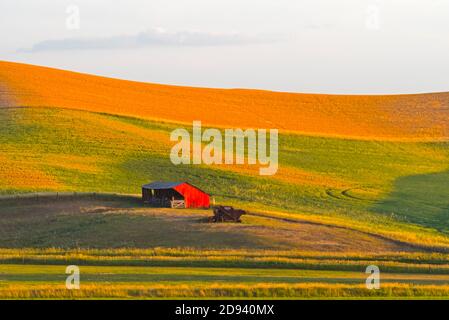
[[175, 195]]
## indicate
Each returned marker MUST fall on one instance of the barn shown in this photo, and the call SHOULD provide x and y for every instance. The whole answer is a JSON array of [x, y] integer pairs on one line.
[[175, 195]]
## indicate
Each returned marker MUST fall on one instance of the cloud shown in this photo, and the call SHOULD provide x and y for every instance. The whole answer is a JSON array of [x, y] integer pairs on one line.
[[153, 37]]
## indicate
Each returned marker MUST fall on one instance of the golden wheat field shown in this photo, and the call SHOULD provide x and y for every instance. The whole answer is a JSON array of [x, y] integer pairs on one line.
[[377, 117]]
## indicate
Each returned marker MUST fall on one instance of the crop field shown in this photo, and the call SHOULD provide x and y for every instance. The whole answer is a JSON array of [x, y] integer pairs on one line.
[[230, 273], [381, 117], [345, 182], [362, 180], [125, 250], [43, 281]]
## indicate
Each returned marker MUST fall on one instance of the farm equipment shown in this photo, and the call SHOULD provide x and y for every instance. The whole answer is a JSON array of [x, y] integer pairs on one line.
[[226, 214]]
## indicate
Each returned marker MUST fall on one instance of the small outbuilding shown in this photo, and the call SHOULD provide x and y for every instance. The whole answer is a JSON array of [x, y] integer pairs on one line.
[[174, 195]]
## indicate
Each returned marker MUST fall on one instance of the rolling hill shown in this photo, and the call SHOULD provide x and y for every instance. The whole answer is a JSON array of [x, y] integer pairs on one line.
[[362, 179], [65, 131], [422, 116]]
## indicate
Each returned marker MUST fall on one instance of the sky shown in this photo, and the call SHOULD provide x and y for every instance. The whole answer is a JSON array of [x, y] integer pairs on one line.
[[310, 46]]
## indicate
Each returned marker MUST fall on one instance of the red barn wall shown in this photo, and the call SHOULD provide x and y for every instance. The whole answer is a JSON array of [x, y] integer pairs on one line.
[[194, 198]]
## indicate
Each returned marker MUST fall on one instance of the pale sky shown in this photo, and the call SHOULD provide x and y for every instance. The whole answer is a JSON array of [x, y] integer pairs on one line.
[[322, 46]]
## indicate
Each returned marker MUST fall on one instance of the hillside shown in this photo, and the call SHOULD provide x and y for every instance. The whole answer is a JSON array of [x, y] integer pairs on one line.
[[362, 180], [364, 185], [356, 183], [400, 117], [84, 133]]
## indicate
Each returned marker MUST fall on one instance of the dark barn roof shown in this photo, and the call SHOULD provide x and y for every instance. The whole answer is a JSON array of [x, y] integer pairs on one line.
[[159, 185], [164, 185]]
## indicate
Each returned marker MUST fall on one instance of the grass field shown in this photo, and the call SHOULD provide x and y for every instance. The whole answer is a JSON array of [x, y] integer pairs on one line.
[[362, 180], [175, 273], [125, 250], [43, 281], [87, 222], [337, 181]]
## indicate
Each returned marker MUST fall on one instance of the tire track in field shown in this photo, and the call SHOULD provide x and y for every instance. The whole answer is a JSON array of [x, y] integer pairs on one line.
[[346, 195]]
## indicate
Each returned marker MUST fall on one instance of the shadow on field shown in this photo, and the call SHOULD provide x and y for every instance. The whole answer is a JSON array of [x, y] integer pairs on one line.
[[111, 221], [117, 221], [124, 200], [421, 199]]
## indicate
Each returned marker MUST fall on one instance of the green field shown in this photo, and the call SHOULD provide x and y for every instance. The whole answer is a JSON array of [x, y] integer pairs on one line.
[[41, 281], [177, 273], [126, 250], [400, 188], [365, 202]]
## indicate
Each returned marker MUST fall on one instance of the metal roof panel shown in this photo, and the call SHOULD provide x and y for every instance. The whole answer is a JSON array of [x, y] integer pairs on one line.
[[158, 185]]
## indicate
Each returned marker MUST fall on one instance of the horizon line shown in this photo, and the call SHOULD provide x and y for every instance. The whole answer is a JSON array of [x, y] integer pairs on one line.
[[229, 88]]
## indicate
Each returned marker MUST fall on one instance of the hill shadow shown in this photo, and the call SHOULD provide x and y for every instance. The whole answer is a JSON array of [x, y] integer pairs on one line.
[[420, 199], [122, 200]]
